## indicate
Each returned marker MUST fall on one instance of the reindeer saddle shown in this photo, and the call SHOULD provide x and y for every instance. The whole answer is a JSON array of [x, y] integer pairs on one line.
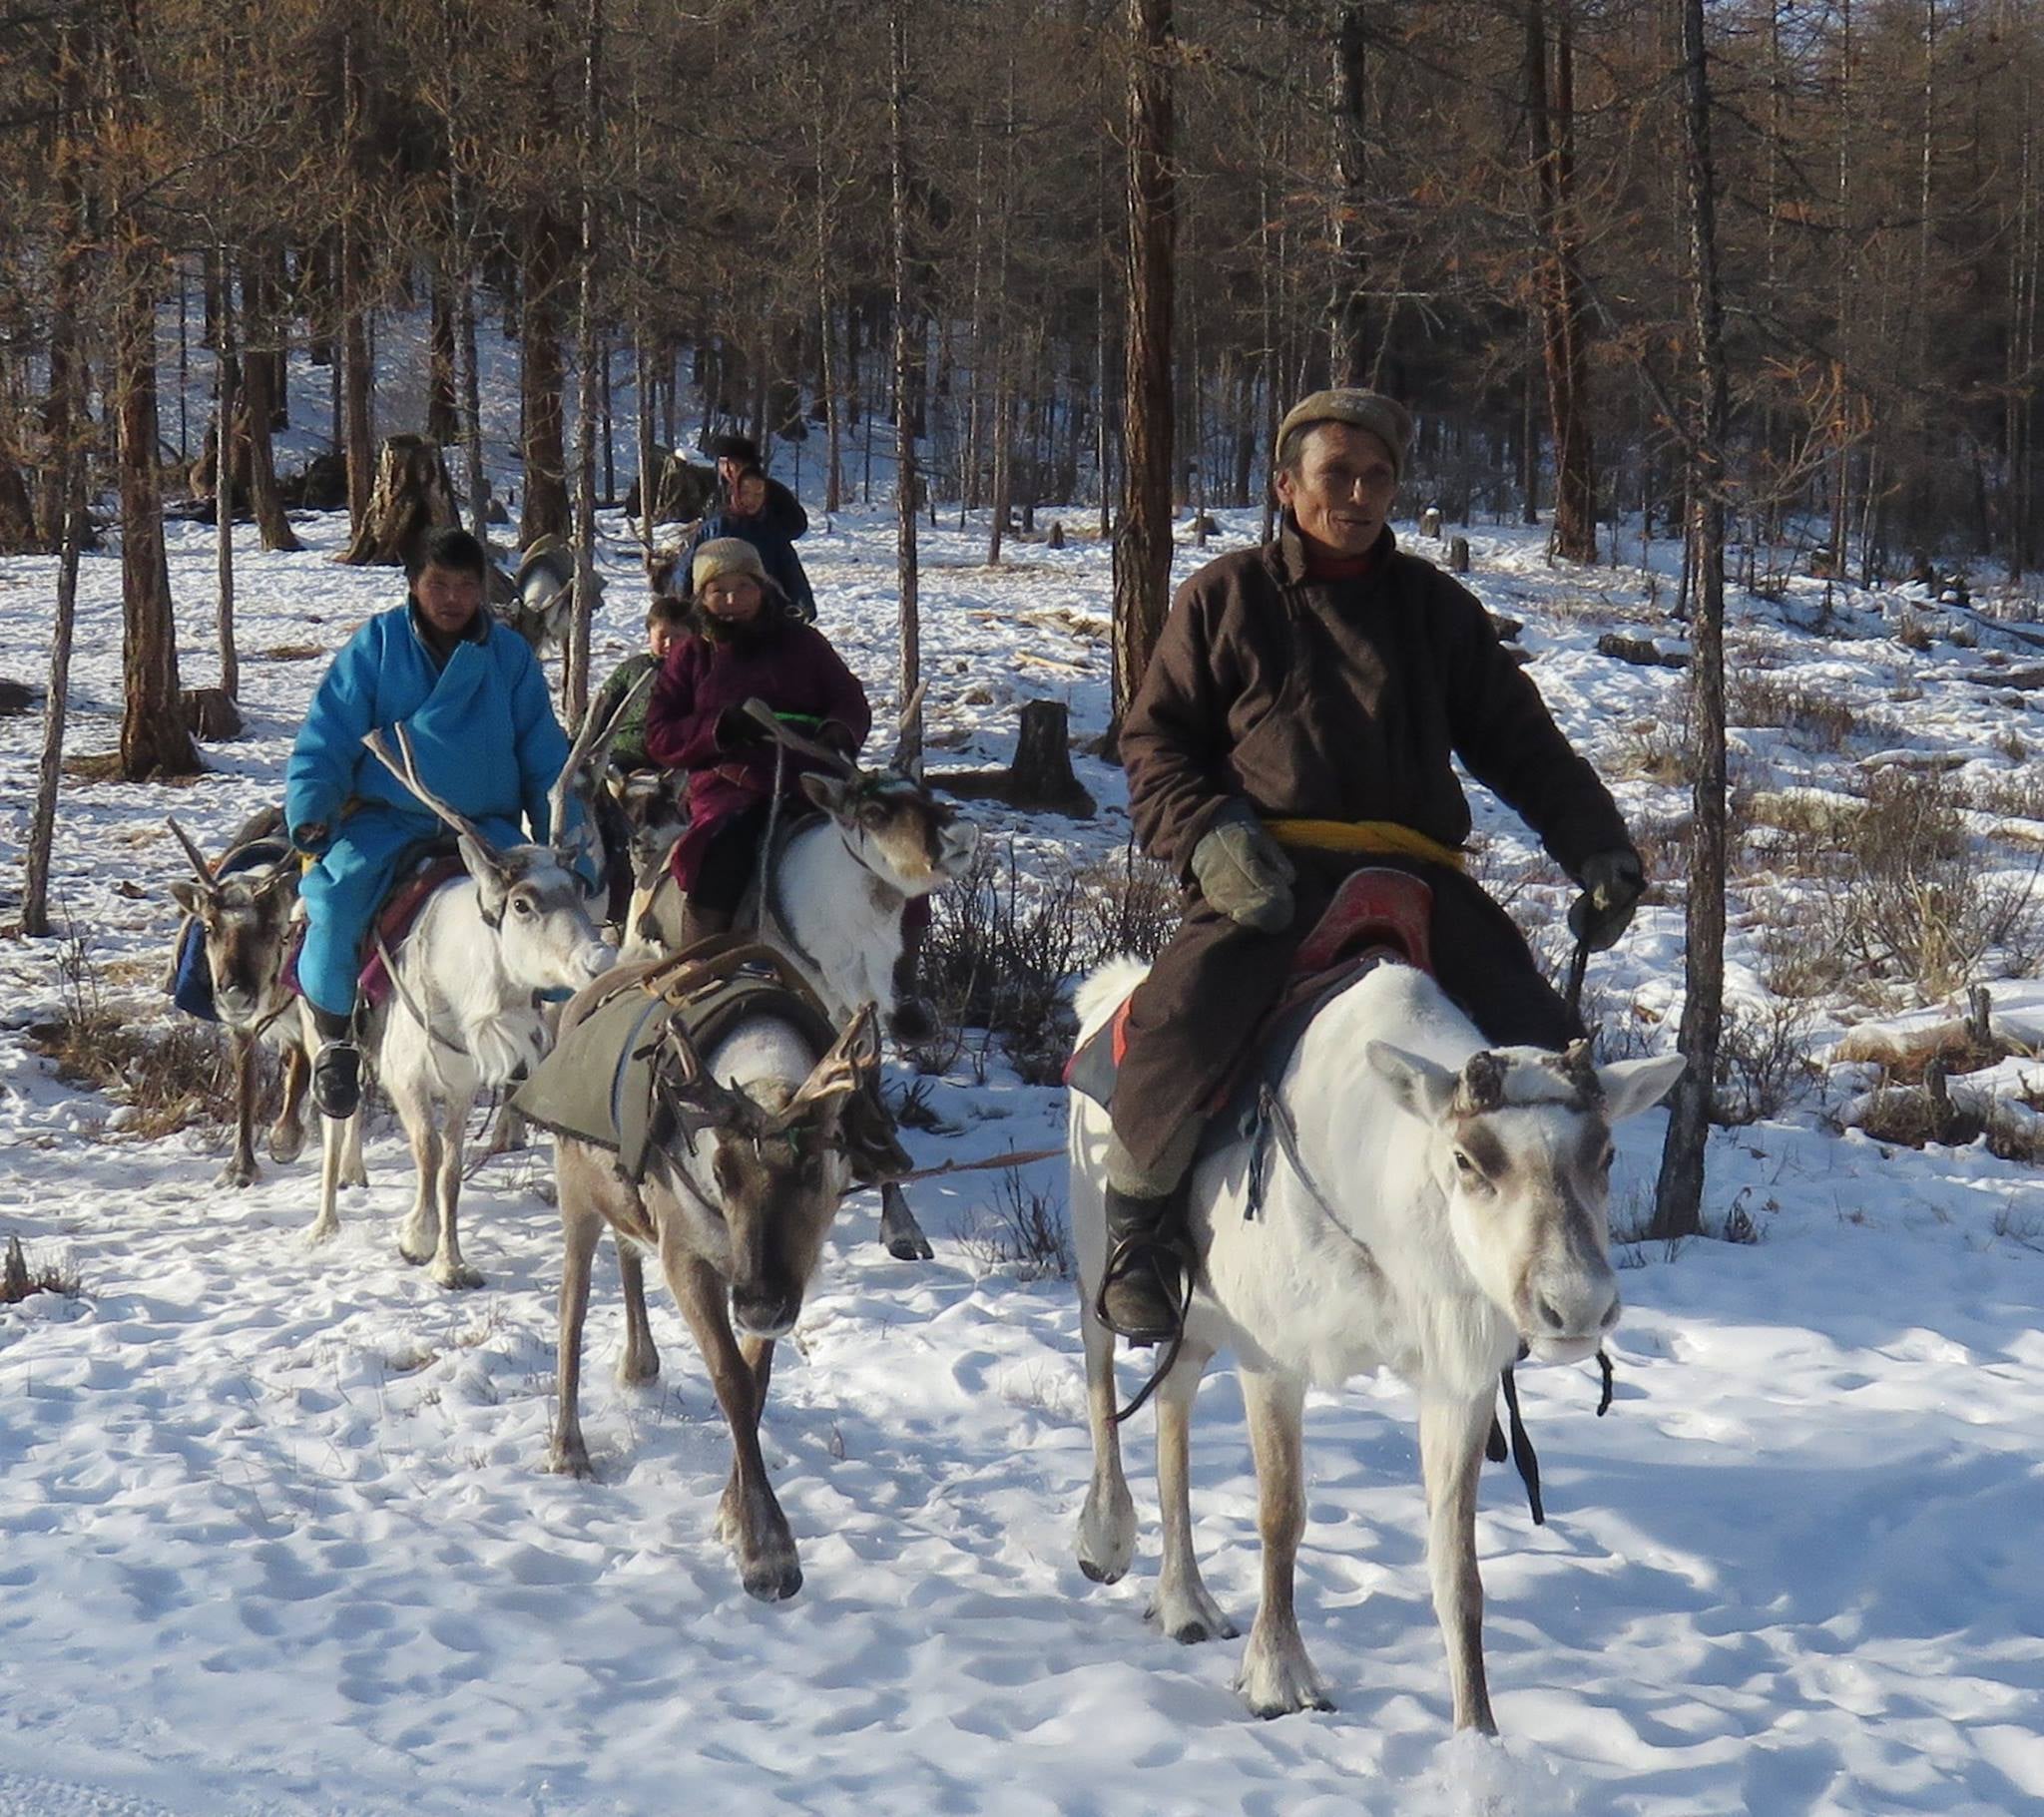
[[600, 1084], [1378, 915], [434, 864]]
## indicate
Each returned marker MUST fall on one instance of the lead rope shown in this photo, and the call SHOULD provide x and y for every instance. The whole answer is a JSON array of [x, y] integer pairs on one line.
[[1522, 1453]]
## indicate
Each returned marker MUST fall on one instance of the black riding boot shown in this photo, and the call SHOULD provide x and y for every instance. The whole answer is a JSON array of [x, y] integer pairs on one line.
[[336, 1067], [699, 921], [1145, 1285]]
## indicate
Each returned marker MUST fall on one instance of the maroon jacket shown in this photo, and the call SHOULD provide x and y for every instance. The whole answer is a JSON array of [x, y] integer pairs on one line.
[[1345, 700], [793, 670]]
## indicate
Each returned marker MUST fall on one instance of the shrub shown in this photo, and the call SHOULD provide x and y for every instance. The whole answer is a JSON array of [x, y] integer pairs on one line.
[[1026, 1230], [1763, 1063]]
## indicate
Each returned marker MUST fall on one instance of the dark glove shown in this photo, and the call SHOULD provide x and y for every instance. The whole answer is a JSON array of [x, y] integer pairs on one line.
[[310, 837], [735, 728], [1612, 883], [1243, 872], [839, 736]]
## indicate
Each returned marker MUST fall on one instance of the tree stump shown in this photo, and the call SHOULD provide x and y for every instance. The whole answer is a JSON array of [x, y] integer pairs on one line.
[[15, 696], [1458, 556], [1056, 537], [412, 496], [1040, 779], [1430, 523], [211, 714]]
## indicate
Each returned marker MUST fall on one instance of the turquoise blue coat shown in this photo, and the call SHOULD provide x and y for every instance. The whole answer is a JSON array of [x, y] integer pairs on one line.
[[487, 742]]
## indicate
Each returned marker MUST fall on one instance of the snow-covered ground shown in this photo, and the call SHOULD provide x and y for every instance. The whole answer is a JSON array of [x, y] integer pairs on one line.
[[275, 1535]]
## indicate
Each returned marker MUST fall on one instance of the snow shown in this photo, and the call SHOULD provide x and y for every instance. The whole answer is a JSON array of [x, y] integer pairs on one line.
[[275, 1535]]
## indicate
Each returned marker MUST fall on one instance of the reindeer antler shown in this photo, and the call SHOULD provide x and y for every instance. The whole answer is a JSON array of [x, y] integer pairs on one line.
[[593, 740], [193, 852], [851, 1059], [808, 747], [405, 767]]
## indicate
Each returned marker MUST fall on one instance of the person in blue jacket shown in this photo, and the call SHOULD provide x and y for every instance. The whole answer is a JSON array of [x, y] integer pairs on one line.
[[470, 694], [748, 517]]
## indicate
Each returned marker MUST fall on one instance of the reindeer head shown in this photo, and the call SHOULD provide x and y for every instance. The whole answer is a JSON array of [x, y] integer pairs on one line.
[[1521, 1148], [247, 918], [651, 801], [528, 897], [779, 1170], [900, 831]]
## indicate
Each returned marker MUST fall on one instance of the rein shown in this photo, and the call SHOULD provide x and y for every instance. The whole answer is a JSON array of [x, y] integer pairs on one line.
[[404, 997]]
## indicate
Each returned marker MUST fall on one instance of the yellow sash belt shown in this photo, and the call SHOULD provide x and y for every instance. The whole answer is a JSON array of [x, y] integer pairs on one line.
[[1383, 837]]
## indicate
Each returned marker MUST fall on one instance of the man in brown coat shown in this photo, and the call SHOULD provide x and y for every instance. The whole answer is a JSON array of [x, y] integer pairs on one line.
[[1298, 720]]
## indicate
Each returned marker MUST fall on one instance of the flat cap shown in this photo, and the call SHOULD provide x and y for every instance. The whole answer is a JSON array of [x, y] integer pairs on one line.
[[1385, 417]]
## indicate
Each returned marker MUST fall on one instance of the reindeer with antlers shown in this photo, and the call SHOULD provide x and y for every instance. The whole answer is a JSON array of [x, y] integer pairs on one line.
[[240, 913], [464, 1014]]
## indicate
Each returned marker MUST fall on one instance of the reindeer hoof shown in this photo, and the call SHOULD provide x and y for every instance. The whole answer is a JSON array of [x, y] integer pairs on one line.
[[570, 1460], [772, 1583], [458, 1278], [283, 1149], [908, 1245], [1190, 1620], [1099, 1574], [636, 1372], [235, 1173], [321, 1235], [1273, 1689]]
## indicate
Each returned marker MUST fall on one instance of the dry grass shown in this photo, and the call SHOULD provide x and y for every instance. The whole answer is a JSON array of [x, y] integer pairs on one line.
[[22, 1276], [1023, 1231], [1815, 720], [172, 1077]]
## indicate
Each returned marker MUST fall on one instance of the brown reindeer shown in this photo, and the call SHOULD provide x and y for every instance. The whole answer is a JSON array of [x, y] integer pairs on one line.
[[246, 917], [746, 1173]]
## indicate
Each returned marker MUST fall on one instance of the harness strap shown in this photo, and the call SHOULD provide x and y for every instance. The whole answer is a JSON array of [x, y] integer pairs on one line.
[[404, 997], [1523, 1454]]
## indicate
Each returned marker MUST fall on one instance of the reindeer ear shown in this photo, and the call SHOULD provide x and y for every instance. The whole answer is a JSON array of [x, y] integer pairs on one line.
[[1633, 1086], [190, 896], [492, 881], [1422, 1088], [827, 792]]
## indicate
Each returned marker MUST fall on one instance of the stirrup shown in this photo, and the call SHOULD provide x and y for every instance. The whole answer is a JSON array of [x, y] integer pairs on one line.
[[1120, 1263]]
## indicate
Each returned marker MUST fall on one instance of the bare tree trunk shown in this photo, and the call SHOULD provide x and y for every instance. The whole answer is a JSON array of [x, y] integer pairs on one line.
[[42, 834], [1550, 115], [358, 429], [575, 681], [66, 404], [259, 366], [1678, 1203], [833, 470], [443, 424], [1347, 363], [154, 737], [223, 484], [908, 752], [1142, 543]]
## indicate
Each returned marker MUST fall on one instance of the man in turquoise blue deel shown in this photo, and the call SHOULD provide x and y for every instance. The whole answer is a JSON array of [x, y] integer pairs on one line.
[[471, 697]]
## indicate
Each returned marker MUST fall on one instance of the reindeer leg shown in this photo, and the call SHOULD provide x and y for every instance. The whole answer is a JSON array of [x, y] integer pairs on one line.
[[448, 1269], [1276, 1675], [898, 1228], [750, 1518], [581, 1225], [418, 1238], [758, 1357], [1451, 1437], [1182, 1607], [641, 1361], [353, 1171], [287, 1133], [334, 1136], [241, 1170], [1107, 1524]]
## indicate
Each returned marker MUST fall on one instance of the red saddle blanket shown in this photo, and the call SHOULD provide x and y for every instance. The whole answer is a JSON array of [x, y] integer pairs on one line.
[[1378, 914], [393, 921]]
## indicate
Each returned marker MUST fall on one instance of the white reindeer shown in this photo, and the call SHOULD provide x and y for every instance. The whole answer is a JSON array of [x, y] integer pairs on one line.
[[463, 1013], [836, 888], [1428, 1203]]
